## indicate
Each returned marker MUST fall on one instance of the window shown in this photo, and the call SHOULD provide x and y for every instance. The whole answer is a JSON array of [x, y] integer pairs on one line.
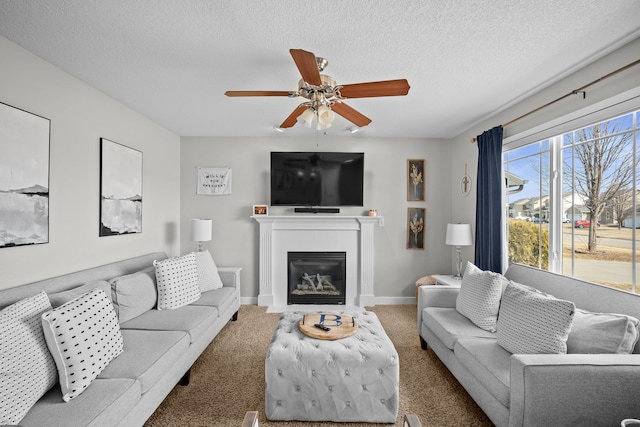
[[573, 202]]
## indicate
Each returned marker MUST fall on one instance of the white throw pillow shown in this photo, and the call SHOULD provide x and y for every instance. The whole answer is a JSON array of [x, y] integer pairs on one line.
[[599, 333], [134, 294], [208, 276], [479, 297], [27, 370], [177, 281], [531, 322], [83, 336]]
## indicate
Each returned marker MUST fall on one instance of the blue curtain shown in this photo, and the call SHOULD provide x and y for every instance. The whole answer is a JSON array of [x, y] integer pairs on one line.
[[488, 248]]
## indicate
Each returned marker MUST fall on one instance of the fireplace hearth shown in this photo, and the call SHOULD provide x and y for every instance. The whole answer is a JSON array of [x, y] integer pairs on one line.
[[316, 277]]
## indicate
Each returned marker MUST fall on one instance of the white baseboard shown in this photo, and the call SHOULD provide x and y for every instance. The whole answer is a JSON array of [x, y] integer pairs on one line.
[[395, 300], [249, 300]]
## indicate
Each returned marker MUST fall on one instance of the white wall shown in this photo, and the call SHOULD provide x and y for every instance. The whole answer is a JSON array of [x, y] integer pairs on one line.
[[80, 116], [463, 208], [235, 235]]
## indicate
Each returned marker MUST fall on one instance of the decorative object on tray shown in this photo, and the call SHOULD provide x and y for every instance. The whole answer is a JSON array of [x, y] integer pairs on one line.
[[328, 326], [415, 228], [214, 181], [415, 180], [120, 189], [24, 177]]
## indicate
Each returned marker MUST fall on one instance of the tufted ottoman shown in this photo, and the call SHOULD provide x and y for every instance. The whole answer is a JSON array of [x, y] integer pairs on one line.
[[351, 379]]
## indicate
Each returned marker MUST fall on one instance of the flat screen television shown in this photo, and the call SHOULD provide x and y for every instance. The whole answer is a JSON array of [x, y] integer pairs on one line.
[[317, 179]]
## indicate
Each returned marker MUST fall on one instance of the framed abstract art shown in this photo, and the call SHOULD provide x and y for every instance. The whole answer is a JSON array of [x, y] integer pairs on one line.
[[120, 189], [24, 177]]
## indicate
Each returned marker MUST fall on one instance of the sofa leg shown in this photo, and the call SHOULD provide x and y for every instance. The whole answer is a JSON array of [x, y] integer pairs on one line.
[[234, 317], [184, 381], [423, 343]]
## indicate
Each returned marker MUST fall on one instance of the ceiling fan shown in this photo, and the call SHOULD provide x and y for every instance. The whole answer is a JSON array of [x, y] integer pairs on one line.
[[323, 96]]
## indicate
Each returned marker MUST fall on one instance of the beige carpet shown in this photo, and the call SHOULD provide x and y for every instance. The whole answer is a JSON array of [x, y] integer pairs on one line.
[[228, 379]]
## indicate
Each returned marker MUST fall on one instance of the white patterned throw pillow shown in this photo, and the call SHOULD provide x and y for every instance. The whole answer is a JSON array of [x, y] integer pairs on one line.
[[177, 281], [479, 297], [83, 336], [531, 322], [27, 370], [208, 276]]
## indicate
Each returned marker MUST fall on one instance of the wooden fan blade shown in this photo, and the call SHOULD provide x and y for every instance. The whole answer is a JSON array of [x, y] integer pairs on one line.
[[307, 65], [292, 119], [350, 114], [258, 93], [372, 89]]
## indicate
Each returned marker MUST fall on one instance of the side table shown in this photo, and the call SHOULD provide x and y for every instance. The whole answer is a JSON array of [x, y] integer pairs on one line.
[[447, 279]]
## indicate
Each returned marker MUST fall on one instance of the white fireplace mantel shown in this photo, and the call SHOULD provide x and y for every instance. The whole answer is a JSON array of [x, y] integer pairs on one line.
[[322, 233]]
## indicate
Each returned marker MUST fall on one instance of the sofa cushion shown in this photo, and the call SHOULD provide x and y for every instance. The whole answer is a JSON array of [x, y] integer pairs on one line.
[[449, 325], [148, 356], [105, 403], [133, 294], [208, 276], [83, 336], [479, 297], [489, 363], [194, 320], [59, 298], [177, 281], [218, 298], [533, 322], [27, 369], [602, 333]]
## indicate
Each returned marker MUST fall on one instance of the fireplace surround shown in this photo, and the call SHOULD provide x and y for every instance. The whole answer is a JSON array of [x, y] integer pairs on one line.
[[281, 234]]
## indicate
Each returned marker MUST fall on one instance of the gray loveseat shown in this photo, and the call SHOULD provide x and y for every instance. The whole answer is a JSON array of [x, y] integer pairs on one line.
[[535, 389], [159, 348]]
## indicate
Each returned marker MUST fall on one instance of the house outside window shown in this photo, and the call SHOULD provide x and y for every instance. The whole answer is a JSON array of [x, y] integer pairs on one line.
[[576, 209]]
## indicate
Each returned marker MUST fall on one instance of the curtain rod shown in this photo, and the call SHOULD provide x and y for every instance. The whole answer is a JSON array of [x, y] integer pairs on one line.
[[573, 92]]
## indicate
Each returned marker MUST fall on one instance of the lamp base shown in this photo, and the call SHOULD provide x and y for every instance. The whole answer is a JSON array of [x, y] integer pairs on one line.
[[458, 274]]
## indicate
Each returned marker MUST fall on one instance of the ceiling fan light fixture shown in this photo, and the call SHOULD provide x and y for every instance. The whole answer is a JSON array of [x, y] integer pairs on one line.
[[307, 117], [325, 117]]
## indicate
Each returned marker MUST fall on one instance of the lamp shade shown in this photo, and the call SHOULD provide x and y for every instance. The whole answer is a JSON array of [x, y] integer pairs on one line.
[[201, 230], [458, 235]]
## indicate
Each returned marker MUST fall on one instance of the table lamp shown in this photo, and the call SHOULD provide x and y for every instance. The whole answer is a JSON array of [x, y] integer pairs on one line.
[[200, 231], [458, 235]]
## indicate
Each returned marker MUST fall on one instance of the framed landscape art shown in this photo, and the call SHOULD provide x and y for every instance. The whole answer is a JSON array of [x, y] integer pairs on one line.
[[120, 189], [24, 177]]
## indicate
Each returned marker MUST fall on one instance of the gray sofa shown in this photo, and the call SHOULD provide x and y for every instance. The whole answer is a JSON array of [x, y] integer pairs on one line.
[[535, 389], [159, 348]]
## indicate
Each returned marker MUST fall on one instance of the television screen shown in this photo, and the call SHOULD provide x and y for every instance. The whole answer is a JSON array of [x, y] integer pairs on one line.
[[317, 179]]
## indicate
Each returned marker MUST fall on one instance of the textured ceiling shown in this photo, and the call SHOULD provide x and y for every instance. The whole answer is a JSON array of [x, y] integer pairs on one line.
[[172, 60]]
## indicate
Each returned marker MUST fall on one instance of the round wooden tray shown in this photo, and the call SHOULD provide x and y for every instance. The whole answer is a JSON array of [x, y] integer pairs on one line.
[[340, 326]]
